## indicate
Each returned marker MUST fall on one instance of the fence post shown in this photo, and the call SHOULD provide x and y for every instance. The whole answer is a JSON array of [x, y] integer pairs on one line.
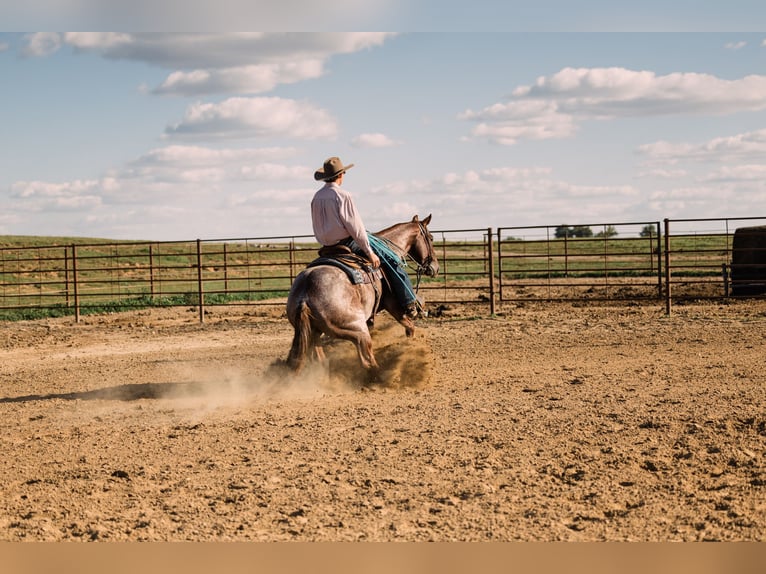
[[659, 260], [667, 266], [66, 276], [151, 270], [500, 264], [75, 290], [491, 260], [199, 282], [225, 270]]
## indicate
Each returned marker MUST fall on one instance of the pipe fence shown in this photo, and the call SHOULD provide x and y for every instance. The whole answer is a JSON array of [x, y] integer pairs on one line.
[[617, 261], [700, 256], [94, 277], [679, 260]]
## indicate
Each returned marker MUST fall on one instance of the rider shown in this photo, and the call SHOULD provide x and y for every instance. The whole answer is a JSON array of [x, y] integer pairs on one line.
[[336, 221]]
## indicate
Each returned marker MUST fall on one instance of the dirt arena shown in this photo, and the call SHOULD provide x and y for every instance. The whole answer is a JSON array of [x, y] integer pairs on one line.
[[546, 422]]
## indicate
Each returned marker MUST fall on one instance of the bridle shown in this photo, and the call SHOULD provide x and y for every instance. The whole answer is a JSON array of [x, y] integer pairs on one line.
[[426, 265]]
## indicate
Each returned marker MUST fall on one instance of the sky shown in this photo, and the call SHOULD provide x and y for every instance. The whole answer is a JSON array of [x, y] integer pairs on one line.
[[177, 136]]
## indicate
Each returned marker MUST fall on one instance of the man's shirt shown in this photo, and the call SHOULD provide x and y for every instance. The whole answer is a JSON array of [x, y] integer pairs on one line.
[[334, 217]]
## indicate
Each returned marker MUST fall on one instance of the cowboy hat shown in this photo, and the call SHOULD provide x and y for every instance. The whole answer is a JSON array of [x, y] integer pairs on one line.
[[332, 167]]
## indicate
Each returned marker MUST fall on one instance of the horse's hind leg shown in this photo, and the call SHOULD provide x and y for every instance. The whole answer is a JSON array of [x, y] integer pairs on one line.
[[367, 357], [364, 347], [363, 343], [318, 353]]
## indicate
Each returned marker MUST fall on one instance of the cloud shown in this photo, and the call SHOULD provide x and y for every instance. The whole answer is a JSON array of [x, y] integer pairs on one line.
[[740, 147], [664, 173], [255, 118], [175, 167], [738, 173], [735, 45], [179, 156], [243, 80], [554, 106], [41, 44], [724, 175], [186, 187], [502, 195], [4, 46], [242, 63], [691, 200], [70, 196], [374, 140]]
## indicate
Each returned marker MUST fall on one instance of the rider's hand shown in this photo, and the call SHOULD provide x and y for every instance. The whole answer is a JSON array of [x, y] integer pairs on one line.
[[374, 260]]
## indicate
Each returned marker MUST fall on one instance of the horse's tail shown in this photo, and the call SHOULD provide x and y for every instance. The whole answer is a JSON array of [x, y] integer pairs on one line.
[[301, 338]]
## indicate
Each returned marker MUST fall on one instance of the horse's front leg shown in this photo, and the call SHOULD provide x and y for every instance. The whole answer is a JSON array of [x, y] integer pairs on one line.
[[404, 320], [390, 305], [408, 324]]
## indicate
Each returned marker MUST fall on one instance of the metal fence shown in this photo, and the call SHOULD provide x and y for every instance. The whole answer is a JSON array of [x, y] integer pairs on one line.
[[616, 261], [699, 255], [91, 277], [640, 261]]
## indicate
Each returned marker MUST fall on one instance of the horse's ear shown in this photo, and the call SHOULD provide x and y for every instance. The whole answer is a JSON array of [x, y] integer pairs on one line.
[[415, 219], [427, 220]]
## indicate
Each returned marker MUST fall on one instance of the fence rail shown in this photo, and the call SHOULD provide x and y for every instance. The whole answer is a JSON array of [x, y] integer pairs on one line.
[[93, 277], [680, 259], [622, 260]]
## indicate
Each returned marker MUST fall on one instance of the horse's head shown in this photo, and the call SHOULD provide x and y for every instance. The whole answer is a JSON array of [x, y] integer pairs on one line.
[[422, 249]]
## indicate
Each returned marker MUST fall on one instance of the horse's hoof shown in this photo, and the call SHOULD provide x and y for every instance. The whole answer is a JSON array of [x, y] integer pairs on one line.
[[373, 379]]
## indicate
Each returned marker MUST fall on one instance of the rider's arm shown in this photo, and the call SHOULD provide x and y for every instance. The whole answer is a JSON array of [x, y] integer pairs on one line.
[[355, 226]]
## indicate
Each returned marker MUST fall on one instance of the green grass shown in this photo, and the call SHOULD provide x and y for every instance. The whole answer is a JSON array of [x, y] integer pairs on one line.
[[133, 303]]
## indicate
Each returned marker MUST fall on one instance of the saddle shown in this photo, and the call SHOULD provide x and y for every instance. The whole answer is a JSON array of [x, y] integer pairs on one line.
[[356, 267]]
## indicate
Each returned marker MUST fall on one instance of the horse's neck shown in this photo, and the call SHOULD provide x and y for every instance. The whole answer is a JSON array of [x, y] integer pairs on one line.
[[399, 235]]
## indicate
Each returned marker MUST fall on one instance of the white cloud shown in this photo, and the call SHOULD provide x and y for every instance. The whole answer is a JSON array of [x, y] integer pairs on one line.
[[735, 45], [255, 118], [374, 140], [664, 173], [741, 173], [197, 182], [39, 196], [688, 195], [244, 63], [275, 172], [41, 44], [503, 195], [554, 106], [98, 41], [178, 156], [724, 149], [244, 80]]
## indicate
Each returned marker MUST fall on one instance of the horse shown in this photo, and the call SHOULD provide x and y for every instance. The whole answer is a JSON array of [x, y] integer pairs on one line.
[[322, 299]]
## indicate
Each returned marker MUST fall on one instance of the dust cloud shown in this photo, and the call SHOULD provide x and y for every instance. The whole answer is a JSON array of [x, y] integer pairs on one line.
[[404, 363]]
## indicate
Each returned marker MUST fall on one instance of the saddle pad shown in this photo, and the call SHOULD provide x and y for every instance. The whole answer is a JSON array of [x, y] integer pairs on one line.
[[351, 266]]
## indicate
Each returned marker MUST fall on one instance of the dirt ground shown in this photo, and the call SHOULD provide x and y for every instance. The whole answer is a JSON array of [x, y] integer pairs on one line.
[[546, 422]]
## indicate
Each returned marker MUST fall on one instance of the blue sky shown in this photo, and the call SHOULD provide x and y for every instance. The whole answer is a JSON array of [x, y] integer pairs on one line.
[[178, 136]]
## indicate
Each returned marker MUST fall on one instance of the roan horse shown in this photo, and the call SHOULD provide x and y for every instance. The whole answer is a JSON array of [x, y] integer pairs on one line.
[[322, 300]]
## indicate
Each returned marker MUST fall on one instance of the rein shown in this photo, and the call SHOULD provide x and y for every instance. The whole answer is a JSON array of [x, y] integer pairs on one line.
[[421, 266]]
